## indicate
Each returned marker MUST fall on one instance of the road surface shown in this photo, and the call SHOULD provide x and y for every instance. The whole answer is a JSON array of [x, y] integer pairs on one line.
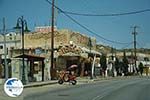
[[119, 89]]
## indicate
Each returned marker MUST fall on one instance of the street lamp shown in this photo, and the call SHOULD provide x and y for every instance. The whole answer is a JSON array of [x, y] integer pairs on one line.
[[22, 25]]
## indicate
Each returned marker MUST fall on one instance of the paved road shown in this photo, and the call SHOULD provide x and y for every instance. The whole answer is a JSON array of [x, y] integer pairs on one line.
[[120, 89]]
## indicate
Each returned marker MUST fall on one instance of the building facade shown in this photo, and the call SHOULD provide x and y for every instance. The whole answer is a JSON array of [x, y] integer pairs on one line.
[[38, 43]]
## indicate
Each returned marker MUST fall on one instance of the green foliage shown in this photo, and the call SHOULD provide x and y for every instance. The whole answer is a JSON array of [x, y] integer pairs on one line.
[[146, 59], [141, 65], [125, 64], [125, 60], [141, 68], [103, 62], [117, 63]]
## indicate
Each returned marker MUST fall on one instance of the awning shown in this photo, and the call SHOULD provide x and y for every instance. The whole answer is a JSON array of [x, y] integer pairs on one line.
[[75, 50], [70, 50], [32, 59], [90, 51], [29, 57]]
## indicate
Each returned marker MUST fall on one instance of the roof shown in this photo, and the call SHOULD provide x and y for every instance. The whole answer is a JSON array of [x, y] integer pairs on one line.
[[91, 51], [31, 57], [70, 54]]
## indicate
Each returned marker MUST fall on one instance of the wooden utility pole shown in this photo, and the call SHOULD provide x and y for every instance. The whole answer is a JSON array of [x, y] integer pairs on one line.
[[134, 45], [5, 50], [52, 42]]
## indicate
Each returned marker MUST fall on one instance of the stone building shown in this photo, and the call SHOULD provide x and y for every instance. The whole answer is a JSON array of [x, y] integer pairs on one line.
[[38, 44]]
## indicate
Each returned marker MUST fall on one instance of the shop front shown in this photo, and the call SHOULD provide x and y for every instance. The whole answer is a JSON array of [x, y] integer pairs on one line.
[[34, 67], [75, 55], [69, 55]]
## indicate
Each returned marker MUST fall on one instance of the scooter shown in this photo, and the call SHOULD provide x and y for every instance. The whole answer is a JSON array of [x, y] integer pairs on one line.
[[66, 76]]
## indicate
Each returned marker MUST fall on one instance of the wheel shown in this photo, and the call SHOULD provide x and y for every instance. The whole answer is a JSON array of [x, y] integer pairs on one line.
[[74, 82], [60, 81]]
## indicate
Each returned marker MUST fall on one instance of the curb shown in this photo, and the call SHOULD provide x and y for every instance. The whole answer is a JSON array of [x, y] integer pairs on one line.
[[40, 84]]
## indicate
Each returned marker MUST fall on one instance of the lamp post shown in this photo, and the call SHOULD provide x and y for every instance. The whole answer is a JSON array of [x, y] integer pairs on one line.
[[22, 25]]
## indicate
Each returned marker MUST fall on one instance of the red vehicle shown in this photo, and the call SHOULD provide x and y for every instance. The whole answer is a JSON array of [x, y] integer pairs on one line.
[[67, 76]]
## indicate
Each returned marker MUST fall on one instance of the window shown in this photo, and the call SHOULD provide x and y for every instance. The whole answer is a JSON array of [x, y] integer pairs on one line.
[[1, 47]]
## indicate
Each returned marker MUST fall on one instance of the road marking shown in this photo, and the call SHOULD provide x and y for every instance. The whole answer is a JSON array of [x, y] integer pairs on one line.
[[63, 94], [100, 96]]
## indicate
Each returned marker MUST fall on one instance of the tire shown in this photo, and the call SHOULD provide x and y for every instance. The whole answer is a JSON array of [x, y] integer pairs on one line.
[[60, 81], [74, 82]]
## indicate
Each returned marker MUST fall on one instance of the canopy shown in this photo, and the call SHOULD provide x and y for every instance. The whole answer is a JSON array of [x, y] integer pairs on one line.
[[90, 51], [29, 57]]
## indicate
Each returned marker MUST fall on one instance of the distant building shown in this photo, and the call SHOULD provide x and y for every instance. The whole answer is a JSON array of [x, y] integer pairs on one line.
[[44, 29]]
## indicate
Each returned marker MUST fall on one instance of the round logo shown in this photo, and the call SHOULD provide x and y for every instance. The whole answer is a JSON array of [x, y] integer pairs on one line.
[[13, 87]]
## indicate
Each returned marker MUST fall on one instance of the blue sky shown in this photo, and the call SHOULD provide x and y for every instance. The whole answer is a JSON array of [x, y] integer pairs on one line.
[[116, 28]]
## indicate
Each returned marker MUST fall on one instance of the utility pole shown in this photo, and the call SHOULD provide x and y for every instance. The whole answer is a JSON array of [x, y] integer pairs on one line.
[[5, 52], [90, 55], [112, 70], [52, 42], [134, 33], [112, 55]]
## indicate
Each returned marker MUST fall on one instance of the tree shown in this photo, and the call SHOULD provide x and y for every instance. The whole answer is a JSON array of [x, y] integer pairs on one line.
[[103, 63], [125, 64], [146, 59], [141, 68], [117, 67]]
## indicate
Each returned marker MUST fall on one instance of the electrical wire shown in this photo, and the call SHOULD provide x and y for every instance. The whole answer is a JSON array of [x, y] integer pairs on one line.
[[113, 14], [86, 28], [140, 45], [129, 44]]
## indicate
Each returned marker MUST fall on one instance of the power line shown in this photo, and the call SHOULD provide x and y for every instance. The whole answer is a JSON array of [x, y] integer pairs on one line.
[[129, 44], [112, 14], [84, 27], [140, 45]]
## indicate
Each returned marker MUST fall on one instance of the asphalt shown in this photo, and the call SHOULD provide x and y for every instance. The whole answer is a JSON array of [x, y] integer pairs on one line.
[[114, 89], [79, 79], [82, 80]]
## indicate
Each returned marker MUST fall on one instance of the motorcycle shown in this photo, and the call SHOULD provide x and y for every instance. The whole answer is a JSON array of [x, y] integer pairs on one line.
[[67, 76]]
